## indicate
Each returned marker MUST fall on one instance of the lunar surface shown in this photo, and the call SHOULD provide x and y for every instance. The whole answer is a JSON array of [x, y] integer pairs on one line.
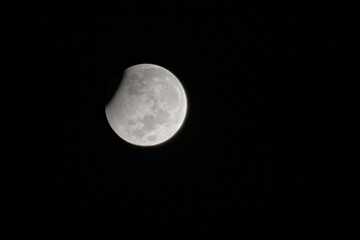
[[149, 106]]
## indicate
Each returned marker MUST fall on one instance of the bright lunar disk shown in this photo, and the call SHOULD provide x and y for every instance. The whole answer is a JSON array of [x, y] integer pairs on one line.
[[148, 107]]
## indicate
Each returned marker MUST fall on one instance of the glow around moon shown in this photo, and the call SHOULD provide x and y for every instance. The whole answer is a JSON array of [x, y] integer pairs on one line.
[[149, 106]]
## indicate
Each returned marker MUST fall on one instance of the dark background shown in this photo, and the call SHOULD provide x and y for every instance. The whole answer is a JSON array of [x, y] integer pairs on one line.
[[256, 155]]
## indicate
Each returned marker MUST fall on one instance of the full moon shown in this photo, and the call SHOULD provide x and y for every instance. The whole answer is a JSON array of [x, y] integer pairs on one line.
[[149, 106]]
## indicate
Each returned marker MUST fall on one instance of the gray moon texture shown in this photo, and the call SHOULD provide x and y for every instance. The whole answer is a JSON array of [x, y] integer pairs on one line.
[[149, 106]]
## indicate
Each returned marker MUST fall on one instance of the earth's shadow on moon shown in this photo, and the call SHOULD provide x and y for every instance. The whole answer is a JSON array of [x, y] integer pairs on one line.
[[113, 87], [115, 80]]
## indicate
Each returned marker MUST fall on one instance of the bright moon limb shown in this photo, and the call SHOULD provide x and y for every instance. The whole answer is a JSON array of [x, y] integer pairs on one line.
[[149, 106]]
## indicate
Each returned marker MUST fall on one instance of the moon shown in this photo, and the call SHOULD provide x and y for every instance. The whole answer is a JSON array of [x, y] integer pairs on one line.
[[149, 106]]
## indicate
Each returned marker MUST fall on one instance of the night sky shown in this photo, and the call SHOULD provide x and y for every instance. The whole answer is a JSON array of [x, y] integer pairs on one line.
[[253, 158]]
